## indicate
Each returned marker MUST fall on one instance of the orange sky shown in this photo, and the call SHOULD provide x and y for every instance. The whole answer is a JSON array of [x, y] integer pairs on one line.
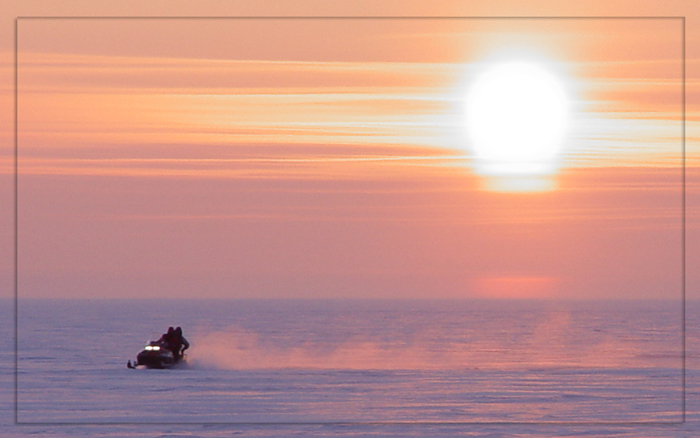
[[328, 158]]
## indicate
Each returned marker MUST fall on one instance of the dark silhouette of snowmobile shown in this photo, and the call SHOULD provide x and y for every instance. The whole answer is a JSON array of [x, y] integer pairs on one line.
[[165, 352]]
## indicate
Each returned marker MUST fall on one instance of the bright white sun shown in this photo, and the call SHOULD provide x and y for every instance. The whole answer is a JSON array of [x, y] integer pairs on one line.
[[516, 118]]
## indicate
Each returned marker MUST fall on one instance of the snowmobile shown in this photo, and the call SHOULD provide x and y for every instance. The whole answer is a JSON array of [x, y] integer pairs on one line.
[[156, 354]]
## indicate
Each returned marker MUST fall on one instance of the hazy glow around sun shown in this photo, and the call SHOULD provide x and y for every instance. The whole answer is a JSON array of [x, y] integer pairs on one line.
[[516, 118]]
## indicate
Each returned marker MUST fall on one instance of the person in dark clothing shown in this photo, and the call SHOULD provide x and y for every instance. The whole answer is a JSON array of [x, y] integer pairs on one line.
[[180, 344], [167, 337], [175, 342]]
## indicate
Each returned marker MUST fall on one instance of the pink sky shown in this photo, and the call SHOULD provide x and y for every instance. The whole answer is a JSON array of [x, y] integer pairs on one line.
[[326, 158]]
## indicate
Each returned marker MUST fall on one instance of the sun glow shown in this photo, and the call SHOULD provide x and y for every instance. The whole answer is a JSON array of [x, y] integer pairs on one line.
[[516, 118]]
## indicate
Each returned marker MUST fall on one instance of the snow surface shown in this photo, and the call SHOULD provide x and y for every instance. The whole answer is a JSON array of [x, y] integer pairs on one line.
[[384, 368]]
